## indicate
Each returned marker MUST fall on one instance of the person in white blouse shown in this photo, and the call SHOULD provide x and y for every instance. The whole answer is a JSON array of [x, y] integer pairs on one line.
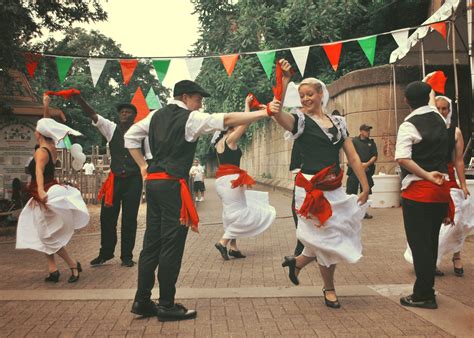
[[197, 173], [88, 167], [173, 132]]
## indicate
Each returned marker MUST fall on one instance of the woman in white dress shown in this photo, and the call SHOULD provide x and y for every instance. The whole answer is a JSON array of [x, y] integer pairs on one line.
[[329, 221], [246, 213], [54, 211]]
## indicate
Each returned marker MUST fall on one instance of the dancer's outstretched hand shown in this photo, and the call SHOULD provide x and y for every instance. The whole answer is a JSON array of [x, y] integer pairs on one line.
[[275, 107], [363, 197], [286, 68]]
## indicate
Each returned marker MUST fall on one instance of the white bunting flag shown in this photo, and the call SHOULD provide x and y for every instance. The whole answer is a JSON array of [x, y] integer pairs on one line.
[[96, 66], [300, 54], [401, 38], [194, 67], [292, 96]]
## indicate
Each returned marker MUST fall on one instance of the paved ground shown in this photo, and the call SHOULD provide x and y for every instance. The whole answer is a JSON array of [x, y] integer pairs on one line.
[[249, 297]]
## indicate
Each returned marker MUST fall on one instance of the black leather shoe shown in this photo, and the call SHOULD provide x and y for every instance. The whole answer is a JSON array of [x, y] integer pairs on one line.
[[144, 309], [223, 250], [331, 303], [236, 254], [367, 216], [75, 278], [128, 262], [425, 304], [459, 272], [53, 277], [99, 260], [290, 262], [176, 312], [439, 273]]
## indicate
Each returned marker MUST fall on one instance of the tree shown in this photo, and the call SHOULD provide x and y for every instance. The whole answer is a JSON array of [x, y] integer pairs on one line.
[[21, 21]]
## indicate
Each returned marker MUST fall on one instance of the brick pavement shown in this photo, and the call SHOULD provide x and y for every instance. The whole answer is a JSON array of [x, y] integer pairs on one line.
[[383, 263]]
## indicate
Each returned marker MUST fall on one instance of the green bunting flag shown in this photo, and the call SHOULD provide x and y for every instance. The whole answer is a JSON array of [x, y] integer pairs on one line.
[[152, 100], [161, 68], [368, 46], [67, 142], [63, 63], [267, 59]]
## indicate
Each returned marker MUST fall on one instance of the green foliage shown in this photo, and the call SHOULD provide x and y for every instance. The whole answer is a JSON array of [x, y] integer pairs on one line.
[[252, 25], [110, 89]]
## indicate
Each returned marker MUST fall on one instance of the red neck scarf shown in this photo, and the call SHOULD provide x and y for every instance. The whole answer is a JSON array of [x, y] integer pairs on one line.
[[229, 169], [315, 203]]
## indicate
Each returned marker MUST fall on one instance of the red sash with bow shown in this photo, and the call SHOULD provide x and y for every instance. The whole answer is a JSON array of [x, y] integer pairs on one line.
[[229, 169]]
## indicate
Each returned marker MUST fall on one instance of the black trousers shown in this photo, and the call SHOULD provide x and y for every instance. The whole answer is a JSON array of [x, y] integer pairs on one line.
[[353, 184], [163, 243], [299, 246], [127, 194], [422, 224]]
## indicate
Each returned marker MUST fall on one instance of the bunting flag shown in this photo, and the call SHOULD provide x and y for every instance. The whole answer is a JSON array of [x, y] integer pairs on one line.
[[63, 63], [32, 60], [194, 67], [161, 68], [368, 46], [229, 62], [333, 52], [440, 27], [401, 38], [267, 59], [438, 82], [128, 67], [140, 102], [300, 54], [65, 143], [292, 96], [152, 100], [96, 67]]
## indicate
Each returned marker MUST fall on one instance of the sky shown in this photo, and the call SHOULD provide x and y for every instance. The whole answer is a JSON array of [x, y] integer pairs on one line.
[[151, 28]]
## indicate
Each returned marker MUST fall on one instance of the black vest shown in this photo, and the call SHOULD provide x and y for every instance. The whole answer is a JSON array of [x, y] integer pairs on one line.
[[430, 152], [122, 162], [171, 152]]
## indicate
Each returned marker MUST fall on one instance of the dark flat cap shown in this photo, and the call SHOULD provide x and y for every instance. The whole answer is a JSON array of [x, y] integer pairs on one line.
[[417, 90], [188, 87], [126, 106], [365, 127]]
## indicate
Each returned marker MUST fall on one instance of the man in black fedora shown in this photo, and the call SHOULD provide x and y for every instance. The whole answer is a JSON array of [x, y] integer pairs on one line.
[[123, 187], [173, 132]]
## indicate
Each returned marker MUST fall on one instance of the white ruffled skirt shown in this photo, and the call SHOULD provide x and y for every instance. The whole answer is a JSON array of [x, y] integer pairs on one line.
[[340, 237], [451, 237], [48, 230], [245, 213]]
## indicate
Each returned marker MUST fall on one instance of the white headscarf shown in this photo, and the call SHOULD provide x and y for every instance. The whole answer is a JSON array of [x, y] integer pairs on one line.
[[52, 129], [450, 114], [313, 81]]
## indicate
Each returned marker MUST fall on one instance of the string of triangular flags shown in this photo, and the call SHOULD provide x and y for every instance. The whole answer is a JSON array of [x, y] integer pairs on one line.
[[267, 58]]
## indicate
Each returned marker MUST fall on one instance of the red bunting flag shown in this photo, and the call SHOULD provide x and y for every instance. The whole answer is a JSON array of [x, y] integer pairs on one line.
[[139, 101], [438, 82], [229, 62], [128, 67], [333, 52], [440, 27], [32, 60], [66, 94]]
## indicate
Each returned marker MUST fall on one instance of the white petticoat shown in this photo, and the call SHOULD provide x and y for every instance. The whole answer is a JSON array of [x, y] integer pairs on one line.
[[451, 237], [245, 213], [340, 237], [48, 230]]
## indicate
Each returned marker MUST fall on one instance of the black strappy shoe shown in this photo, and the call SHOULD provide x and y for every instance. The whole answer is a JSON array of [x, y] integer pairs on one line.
[[73, 277], [290, 262], [329, 303], [223, 250], [459, 272], [53, 277], [236, 254]]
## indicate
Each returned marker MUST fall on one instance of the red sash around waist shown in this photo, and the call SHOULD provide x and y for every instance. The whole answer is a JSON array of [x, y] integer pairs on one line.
[[33, 189], [315, 203], [452, 177], [229, 169], [188, 213], [107, 190]]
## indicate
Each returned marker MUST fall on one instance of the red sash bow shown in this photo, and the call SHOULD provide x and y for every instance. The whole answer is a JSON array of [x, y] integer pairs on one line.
[[188, 210], [64, 93], [229, 169], [315, 203], [107, 190]]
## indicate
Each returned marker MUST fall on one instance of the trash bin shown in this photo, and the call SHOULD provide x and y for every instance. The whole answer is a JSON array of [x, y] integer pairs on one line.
[[386, 191]]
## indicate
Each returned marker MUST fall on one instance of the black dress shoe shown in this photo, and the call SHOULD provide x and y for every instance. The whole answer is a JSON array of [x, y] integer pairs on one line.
[[99, 260], [144, 309], [439, 273], [128, 262], [223, 250], [176, 312], [53, 277], [425, 304], [75, 278], [367, 216], [331, 303], [236, 254], [459, 272], [290, 262]]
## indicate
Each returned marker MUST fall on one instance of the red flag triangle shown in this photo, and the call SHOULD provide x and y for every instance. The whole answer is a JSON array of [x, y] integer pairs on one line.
[[440, 27], [32, 60], [128, 67], [139, 101], [333, 52], [229, 62]]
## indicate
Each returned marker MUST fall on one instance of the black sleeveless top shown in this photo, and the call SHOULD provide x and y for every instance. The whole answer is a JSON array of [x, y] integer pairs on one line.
[[230, 156], [48, 169], [451, 143]]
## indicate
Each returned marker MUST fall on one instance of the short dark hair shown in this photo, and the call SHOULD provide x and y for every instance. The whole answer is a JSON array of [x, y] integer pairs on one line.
[[417, 94], [126, 106]]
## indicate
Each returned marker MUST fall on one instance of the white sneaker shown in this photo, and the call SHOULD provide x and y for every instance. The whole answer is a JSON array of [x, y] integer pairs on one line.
[[197, 199], [201, 199]]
